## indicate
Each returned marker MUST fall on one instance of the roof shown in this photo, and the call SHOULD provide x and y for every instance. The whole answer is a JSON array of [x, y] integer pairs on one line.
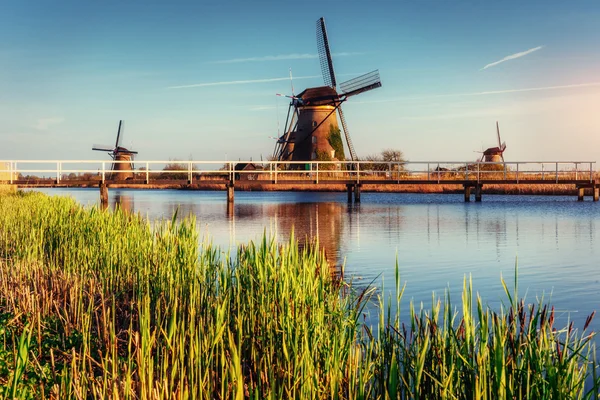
[[319, 96]]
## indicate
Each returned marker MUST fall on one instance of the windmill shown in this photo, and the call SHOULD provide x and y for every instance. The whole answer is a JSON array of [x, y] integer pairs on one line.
[[119, 153], [494, 154], [311, 128]]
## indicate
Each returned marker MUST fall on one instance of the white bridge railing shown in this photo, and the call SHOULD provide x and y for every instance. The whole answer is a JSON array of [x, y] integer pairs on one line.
[[317, 171]]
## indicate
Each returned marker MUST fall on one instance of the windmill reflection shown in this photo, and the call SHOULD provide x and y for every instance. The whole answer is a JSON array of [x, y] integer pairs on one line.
[[311, 224], [123, 201]]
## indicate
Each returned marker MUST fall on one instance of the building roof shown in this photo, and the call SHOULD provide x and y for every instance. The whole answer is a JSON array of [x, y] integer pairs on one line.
[[319, 96]]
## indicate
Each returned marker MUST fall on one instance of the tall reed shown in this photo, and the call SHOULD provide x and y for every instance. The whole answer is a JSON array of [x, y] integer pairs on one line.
[[102, 304]]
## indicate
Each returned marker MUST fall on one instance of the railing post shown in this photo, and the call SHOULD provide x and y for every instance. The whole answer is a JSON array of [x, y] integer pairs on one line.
[[190, 172], [428, 171], [556, 172], [439, 173], [357, 172], [591, 173], [10, 171], [232, 167], [275, 172], [103, 171], [542, 171], [57, 171], [576, 172], [466, 171], [517, 172], [317, 172], [478, 172], [147, 172], [270, 171]]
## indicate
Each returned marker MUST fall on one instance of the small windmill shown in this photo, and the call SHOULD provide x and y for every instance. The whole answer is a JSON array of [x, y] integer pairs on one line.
[[119, 153], [494, 154], [311, 128]]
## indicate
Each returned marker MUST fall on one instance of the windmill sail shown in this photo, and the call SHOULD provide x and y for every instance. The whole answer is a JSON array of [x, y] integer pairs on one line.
[[325, 54], [120, 134], [361, 84], [101, 147], [353, 156]]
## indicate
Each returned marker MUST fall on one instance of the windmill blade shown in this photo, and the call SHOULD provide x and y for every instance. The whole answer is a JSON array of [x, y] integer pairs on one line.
[[347, 134], [120, 134], [360, 84], [125, 151], [100, 147], [325, 54], [498, 133]]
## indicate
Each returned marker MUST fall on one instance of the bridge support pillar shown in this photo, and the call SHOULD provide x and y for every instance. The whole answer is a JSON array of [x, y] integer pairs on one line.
[[467, 193], [580, 192], [103, 194], [349, 189], [595, 193], [357, 193], [478, 190], [230, 188]]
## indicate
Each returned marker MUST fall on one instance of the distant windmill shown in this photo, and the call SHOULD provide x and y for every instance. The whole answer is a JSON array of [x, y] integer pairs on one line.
[[119, 153], [310, 132], [494, 154]]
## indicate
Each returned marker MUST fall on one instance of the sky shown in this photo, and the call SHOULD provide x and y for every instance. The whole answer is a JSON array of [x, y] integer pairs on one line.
[[198, 80]]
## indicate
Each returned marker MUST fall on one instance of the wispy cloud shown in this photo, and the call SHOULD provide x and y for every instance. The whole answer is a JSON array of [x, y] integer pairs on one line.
[[44, 123], [484, 93], [280, 57], [512, 57], [243, 82]]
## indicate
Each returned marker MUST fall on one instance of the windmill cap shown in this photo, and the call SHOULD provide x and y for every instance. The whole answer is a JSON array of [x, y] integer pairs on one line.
[[322, 95]]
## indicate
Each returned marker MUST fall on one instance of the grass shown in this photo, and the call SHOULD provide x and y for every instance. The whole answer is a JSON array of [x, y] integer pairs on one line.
[[101, 304]]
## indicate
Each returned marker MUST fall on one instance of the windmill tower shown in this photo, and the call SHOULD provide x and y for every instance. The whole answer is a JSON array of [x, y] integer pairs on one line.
[[119, 153], [311, 129], [495, 154]]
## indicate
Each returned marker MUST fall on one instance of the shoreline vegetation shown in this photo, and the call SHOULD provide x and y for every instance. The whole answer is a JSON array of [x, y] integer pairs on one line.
[[488, 189], [102, 304]]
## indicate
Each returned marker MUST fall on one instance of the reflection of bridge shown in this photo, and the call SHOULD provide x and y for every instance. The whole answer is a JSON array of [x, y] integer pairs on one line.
[[274, 175]]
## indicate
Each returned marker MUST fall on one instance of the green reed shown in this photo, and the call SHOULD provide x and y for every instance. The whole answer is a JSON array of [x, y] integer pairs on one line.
[[102, 304]]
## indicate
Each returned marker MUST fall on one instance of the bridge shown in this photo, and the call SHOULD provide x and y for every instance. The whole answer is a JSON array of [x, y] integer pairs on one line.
[[279, 175]]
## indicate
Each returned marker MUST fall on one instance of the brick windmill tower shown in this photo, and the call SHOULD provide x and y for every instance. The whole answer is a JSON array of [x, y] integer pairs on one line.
[[311, 130], [119, 153]]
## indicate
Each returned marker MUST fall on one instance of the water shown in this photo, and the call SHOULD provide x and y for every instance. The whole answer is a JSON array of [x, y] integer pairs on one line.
[[437, 239]]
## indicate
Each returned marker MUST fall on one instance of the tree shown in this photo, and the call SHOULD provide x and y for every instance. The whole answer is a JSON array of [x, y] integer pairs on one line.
[[380, 162]]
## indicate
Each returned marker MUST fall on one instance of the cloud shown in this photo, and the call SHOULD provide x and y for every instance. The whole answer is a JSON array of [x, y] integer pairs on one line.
[[484, 93], [293, 56], [243, 82], [512, 57], [44, 123]]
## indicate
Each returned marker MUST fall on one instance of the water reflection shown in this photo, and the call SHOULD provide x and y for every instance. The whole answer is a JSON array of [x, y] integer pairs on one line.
[[310, 223], [123, 200]]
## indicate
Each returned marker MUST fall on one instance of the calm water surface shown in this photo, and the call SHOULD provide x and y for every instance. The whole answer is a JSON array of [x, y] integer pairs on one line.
[[437, 240]]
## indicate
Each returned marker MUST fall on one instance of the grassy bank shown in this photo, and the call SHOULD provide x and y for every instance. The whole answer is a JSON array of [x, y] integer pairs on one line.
[[100, 304]]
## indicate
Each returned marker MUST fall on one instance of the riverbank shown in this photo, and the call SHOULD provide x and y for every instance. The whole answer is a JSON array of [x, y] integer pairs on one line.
[[100, 304], [510, 189]]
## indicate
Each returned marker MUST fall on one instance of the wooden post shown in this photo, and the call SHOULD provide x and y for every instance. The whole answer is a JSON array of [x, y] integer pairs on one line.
[[478, 190], [230, 188], [357, 193], [580, 192], [596, 193], [103, 194], [467, 193], [349, 188]]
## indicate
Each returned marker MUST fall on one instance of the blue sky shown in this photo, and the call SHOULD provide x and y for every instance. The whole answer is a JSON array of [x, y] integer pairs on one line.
[[197, 80]]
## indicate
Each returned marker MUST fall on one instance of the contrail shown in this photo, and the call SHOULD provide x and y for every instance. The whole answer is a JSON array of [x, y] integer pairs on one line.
[[244, 82], [512, 57]]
